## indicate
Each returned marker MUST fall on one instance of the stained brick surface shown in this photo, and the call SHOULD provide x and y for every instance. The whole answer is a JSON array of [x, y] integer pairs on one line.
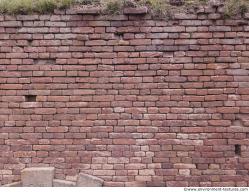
[[130, 99]]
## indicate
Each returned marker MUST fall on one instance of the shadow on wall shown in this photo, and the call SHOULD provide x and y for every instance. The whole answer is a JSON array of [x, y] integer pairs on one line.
[[44, 177]]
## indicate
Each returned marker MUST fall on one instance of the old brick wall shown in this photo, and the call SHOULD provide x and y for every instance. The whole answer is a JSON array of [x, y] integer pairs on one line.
[[133, 100]]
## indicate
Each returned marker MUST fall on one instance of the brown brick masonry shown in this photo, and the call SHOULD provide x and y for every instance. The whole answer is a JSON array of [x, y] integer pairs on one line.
[[132, 100]]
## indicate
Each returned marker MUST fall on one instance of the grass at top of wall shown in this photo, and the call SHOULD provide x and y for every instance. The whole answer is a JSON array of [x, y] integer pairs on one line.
[[234, 7], [30, 6], [159, 8]]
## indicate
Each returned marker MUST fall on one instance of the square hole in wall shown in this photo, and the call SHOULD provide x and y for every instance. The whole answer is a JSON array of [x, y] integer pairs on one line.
[[30, 41], [30, 98], [119, 35], [237, 150]]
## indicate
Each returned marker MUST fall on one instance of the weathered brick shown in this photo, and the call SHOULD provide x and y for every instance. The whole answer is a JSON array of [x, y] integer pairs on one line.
[[124, 141], [146, 172], [104, 172], [228, 110], [118, 160], [57, 129], [176, 183], [219, 123], [132, 100], [45, 111]]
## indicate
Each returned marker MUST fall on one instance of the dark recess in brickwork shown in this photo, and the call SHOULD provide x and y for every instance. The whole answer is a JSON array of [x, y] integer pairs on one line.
[[237, 150], [30, 98]]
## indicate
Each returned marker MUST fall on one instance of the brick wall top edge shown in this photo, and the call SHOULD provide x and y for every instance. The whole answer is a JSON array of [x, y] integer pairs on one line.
[[76, 17], [213, 11]]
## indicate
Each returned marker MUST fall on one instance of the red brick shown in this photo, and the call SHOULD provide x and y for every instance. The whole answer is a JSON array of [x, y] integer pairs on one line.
[[243, 91], [135, 101], [124, 141], [135, 166], [140, 42], [228, 110], [103, 172], [223, 123], [118, 160], [83, 30], [135, 184], [143, 178], [25, 154], [146, 172], [45, 111], [166, 172], [177, 184], [96, 43], [57, 129]]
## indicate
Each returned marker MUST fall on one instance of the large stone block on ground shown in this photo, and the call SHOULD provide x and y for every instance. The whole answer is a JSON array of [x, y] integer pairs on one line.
[[63, 183], [85, 180], [37, 177], [15, 184]]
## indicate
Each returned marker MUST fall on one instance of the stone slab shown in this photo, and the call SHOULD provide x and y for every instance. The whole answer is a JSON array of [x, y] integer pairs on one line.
[[63, 183], [37, 177], [15, 184], [85, 180]]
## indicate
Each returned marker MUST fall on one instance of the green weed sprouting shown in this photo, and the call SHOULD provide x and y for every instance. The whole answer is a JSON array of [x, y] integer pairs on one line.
[[235, 7], [158, 8]]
